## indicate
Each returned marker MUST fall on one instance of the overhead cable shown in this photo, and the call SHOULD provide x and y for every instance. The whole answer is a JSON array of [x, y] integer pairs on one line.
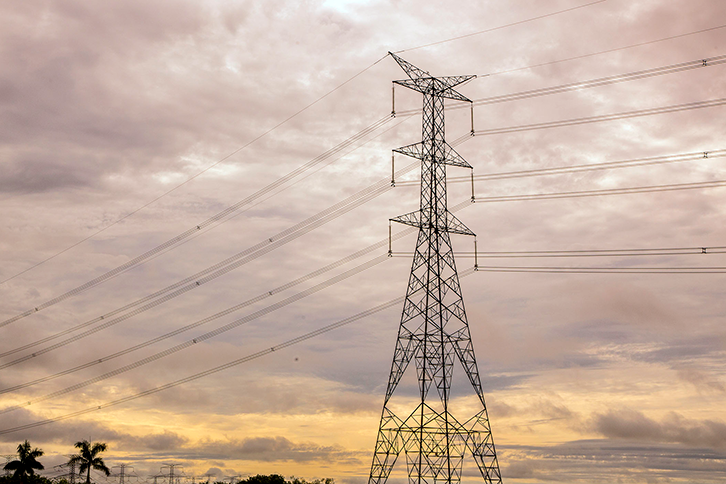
[[608, 165], [196, 229], [208, 274], [596, 119], [201, 322], [208, 335], [492, 29], [604, 270], [602, 81], [602, 192], [308, 106], [217, 369], [607, 51], [538, 254]]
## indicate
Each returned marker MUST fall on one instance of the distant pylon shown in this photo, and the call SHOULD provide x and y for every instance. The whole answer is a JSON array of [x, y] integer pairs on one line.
[[434, 328], [122, 473]]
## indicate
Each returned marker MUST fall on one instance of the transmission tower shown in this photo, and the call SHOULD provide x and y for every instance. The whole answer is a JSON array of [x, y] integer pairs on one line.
[[171, 475], [434, 330], [72, 476], [122, 474]]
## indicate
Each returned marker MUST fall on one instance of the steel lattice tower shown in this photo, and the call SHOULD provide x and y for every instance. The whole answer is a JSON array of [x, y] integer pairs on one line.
[[434, 330]]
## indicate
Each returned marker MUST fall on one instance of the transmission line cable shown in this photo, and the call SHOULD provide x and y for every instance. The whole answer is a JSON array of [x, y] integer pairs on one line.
[[197, 174], [210, 273], [596, 119], [492, 29], [309, 173], [592, 54], [608, 165], [601, 192], [604, 270], [217, 369], [642, 252], [249, 302], [636, 162], [538, 254], [366, 265], [203, 225], [203, 337], [106, 358], [605, 191], [602, 81]]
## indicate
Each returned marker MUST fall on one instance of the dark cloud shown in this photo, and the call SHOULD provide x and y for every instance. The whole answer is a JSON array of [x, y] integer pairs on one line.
[[214, 471], [674, 428], [600, 460]]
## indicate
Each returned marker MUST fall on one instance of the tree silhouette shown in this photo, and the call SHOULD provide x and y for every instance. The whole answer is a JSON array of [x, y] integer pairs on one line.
[[88, 459], [262, 479], [26, 464]]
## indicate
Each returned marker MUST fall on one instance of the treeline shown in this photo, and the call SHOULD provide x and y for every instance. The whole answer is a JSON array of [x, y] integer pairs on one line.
[[278, 479], [23, 469]]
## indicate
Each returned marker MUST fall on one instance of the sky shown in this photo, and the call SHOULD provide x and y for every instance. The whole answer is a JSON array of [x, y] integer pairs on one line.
[[127, 123]]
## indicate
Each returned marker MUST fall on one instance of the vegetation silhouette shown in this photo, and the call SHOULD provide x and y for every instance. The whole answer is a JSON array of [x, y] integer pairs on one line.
[[25, 465], [88, 458], [278, 479]]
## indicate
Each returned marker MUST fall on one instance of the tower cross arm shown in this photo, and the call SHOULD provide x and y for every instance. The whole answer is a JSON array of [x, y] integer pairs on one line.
[[439, 86], [411, 70], [451, 157], [456, 226], [451, 225]]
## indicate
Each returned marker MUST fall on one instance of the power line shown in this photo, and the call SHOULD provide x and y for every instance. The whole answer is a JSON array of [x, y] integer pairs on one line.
[[239, 361], [210, 334], [227, 311], [195, 230], [635, 162], [602, 81], [178, 331], [299, 339], [596, 119], [606, 191], [209, 273], [639, 252], [217, 369], [600, 192], [492, 29], [195, 175], [604, 270], [662, 39]]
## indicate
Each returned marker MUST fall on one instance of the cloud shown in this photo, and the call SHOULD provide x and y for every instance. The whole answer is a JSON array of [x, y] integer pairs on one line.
[[214, 472], [270, 449], [700, 379], [674, 428], [69, 432], [602, 461]]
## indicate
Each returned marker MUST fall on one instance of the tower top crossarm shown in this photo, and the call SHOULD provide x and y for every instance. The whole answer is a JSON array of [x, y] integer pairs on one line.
[[421, 81]]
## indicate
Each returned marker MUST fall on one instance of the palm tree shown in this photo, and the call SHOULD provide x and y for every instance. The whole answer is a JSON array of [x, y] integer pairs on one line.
[[26, 464], [88, 458]]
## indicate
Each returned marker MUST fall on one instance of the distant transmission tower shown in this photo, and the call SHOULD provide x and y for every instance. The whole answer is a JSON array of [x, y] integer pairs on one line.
[[122, 475], [434, 330]]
